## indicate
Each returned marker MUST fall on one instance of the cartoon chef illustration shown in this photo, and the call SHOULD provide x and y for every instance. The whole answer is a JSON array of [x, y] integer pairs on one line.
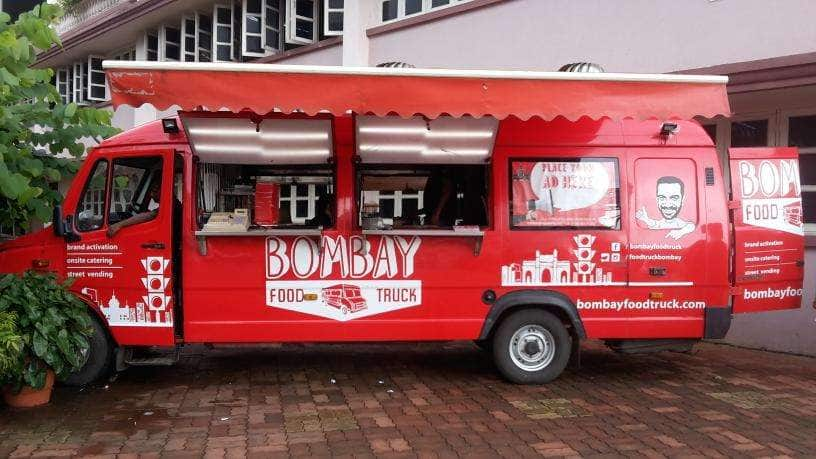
[[670, 198]]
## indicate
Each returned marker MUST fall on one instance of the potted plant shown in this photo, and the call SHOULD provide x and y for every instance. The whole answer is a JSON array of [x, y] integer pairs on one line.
[[53, 327]]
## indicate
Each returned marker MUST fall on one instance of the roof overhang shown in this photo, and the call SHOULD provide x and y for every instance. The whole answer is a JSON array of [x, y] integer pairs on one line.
[[407, 92]]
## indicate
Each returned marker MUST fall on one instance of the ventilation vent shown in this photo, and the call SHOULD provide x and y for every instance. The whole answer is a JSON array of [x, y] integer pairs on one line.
[[582, 67], [396, 65], [709, 176]]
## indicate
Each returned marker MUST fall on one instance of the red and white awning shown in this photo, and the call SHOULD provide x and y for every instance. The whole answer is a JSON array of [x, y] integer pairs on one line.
[[406, 92]]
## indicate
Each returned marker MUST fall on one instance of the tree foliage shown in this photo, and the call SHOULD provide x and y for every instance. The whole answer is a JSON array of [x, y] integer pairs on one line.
[[39, 134]]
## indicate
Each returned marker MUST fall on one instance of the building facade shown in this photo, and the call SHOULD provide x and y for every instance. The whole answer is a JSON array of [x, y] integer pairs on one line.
[[767, 49]]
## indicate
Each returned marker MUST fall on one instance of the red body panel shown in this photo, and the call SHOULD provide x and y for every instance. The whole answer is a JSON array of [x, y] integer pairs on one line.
[[638, 277]]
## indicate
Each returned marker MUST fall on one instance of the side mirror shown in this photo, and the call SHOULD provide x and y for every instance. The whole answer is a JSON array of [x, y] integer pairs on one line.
[[68, 227], [64, 225], [58, 222]]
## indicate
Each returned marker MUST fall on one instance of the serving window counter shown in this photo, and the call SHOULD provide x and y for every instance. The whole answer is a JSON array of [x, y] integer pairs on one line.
[[262, 176], [422, 177]]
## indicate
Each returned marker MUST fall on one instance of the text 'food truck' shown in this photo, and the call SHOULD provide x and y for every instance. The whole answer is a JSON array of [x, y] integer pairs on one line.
[[524, 211]]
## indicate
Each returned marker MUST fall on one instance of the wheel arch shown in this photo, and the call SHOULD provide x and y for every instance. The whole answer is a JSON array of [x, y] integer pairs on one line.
[[97, 315], [548, 300]]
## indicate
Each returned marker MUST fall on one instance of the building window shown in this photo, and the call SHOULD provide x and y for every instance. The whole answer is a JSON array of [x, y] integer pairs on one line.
[[80, 82], [170, 38], [272, 25], [393, 10], [301, 26], [333, 17], [189, 35], [753, 133], [97, 87], [299, 201], [64, 84], [152, 45], [222, 37], [129, 55], [204, 28], [802, 134], [253, 19]]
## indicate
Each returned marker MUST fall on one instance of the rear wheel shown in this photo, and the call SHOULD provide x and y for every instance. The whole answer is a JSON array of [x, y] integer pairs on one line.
[[98, 360], [531, 346]]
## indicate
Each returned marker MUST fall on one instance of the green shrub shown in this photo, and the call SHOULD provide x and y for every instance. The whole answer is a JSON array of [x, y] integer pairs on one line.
[[11, 343], [53, 324]]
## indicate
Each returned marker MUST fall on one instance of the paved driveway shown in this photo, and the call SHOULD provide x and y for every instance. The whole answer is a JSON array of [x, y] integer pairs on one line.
[[431, 400]]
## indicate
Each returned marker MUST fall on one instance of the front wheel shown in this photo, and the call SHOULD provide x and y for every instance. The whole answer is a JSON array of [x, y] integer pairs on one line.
[[531, 346], [98, 360]]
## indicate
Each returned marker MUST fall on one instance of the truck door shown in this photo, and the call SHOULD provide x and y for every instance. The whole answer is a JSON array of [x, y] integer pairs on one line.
[[128, 274], [667, 244], [768, 232]]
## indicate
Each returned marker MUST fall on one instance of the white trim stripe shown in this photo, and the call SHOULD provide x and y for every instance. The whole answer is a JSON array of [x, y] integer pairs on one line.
[[399, 71], [661, 284]]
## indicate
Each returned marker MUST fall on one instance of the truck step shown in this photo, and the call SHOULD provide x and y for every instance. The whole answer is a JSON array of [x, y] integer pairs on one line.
[[139, 357], [152, 361]]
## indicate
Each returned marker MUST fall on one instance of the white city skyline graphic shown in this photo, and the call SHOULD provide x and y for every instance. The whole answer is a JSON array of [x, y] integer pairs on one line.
[[152, 311], [547, 269]]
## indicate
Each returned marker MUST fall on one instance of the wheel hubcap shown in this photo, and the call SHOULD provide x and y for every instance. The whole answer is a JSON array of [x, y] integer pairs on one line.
[[532, 347]]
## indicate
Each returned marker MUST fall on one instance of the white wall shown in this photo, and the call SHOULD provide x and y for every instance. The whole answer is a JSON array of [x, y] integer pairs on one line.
[[787, 331], [621, 35]]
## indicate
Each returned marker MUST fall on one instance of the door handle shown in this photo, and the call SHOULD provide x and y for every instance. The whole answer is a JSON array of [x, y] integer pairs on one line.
[[153, 245]]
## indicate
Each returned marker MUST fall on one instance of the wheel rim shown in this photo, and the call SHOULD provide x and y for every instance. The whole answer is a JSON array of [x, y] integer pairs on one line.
[[532, 347]]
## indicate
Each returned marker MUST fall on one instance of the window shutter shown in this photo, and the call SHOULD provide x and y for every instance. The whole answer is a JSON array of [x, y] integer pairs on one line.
[[189, 39], [273, 23], [333, 17], [252, 15], [222, 33], [204, 40], [151, 44], [301, 21], [170, 43], [80, 77], [62, 84], [97, 86]]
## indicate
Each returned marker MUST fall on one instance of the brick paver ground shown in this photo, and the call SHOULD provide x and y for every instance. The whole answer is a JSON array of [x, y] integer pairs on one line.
[[430, 400]]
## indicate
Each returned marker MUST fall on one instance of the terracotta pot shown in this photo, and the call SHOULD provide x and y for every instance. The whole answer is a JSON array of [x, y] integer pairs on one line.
[[28, 397]]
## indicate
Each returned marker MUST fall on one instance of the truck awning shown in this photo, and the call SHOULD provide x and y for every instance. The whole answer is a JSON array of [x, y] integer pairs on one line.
[[264, 88]]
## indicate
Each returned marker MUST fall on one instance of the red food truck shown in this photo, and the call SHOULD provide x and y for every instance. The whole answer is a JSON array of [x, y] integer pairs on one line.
[[526, 211]]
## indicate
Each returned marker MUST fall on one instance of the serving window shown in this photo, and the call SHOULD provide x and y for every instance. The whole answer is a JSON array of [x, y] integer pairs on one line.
[[269, 198], [427, 197], [262, 175], [566, 193], [420, 174]]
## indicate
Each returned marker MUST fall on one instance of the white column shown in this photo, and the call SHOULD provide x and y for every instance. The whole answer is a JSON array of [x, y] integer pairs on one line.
[[358, 15]]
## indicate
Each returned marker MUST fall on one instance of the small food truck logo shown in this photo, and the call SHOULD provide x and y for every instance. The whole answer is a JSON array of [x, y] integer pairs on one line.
[[342, 278], [548, 269], [771, 194], [347, 298], [670, 194]]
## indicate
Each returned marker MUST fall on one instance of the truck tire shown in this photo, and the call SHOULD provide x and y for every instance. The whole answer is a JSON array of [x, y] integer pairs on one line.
[[100, 358], [531, 346]]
